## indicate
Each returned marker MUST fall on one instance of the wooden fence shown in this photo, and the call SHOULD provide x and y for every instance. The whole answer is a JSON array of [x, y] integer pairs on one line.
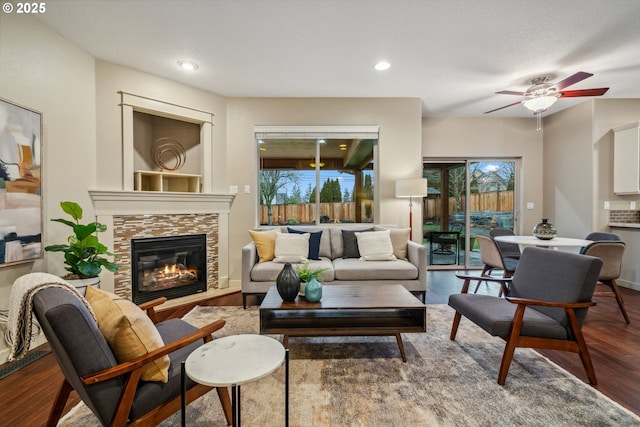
[[492, 201], [305, 213]]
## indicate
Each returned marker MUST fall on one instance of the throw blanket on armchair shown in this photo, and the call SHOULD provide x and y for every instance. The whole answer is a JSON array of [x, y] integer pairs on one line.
[[19, 323]]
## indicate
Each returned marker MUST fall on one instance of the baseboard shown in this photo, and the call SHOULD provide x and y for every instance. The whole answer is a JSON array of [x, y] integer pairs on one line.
[[627, 284]]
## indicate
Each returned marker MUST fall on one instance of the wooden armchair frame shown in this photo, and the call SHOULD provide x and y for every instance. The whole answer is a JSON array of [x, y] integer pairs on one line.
[[133, 369], [515, 340]]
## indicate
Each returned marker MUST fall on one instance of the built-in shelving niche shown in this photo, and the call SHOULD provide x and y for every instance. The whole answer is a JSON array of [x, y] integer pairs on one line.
[[144, 120]]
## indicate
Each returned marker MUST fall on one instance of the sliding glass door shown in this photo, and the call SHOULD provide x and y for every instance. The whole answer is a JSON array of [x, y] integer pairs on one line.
[[466, 198]]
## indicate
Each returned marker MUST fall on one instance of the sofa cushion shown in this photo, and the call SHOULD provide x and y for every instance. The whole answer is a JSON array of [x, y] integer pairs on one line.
[[291, 247], [129, 331], [399, 240], [350, 243], [336, 238], [314, 242], [268, 271], [265, 242], [354, 269], [375, 246]]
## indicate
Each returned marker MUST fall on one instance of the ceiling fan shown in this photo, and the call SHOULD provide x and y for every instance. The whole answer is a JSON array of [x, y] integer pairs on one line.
[[543, 94]]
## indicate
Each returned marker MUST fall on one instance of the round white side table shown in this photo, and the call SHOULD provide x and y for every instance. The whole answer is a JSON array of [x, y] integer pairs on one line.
[[236, 360]]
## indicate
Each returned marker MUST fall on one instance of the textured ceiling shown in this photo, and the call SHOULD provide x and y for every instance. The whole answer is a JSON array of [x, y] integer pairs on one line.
[[453, 55]]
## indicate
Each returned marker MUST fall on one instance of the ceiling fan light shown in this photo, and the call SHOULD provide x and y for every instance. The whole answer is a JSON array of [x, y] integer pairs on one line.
[[382, 66], [187, 65], [539, 103]]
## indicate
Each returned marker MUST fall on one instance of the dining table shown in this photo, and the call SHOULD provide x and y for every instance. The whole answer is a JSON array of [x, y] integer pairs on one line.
[[554, 243]]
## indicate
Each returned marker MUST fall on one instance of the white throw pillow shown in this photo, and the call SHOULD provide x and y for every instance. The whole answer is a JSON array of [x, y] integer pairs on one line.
[[399, 240], [292, 247], [375, 246]]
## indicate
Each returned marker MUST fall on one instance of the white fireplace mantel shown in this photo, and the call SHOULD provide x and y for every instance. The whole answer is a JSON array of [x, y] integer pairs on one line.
[[107, 203]]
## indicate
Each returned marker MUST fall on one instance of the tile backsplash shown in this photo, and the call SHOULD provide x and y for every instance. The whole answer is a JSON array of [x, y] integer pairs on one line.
[[624, 217]]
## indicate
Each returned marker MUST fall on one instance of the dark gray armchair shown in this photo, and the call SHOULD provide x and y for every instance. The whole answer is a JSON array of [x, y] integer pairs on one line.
[[110, 389], [545, 305]]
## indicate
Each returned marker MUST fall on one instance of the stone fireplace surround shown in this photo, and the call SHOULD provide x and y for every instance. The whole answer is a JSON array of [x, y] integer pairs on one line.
[[134, 214]]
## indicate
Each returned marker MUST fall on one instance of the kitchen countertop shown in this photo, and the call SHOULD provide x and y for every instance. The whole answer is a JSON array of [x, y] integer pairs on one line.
[[625, 224]]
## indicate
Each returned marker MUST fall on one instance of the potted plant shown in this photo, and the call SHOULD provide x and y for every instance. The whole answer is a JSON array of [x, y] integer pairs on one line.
[[306, 274], [84, 255]]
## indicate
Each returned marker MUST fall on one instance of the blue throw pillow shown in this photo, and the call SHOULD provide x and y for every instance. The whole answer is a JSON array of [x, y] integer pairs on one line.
[[314, 242]]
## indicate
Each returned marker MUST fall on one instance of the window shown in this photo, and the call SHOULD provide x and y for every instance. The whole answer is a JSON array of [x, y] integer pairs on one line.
[[315, 180]]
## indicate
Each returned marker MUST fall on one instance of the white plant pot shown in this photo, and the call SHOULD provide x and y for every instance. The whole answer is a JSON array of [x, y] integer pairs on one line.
[[81, 284]]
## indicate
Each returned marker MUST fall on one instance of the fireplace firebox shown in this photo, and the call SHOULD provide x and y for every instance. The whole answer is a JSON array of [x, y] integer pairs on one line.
[[169, 267]]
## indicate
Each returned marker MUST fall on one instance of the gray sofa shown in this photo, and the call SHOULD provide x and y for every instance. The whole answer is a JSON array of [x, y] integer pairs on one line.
[[411, 272]]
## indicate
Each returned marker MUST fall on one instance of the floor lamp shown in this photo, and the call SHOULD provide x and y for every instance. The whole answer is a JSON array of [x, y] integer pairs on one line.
[[411, 187]]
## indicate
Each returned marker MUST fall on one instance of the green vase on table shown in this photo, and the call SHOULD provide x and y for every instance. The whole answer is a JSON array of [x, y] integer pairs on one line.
[[313, 290]]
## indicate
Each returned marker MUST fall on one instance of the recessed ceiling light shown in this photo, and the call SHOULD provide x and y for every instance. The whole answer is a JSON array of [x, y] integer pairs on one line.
[[187, 65], [382, 65]]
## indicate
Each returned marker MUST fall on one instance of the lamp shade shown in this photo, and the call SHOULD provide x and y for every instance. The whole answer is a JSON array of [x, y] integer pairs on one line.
[[411, 187]]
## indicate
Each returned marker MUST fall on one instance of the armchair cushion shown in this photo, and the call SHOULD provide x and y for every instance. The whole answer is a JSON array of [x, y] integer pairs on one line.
[[495, 315], [150, 393], [129, 331]]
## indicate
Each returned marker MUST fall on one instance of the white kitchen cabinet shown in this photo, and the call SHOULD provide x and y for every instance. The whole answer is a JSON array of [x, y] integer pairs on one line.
[[626, 159]]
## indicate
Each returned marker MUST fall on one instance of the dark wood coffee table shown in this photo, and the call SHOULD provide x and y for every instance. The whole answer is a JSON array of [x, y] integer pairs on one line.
[[345, 310]]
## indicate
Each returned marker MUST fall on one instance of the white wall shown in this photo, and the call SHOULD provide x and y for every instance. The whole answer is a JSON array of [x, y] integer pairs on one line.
[[578, 164], [569, 171], [399, 153], [41, 70], [461, 138]]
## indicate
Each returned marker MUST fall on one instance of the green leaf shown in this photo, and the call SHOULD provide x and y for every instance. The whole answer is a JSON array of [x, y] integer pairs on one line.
[[73, 209], [88, 269], [57, 248], [84, 231], [64, 221]]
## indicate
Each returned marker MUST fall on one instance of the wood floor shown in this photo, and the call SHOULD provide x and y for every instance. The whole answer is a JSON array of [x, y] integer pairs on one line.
[[27, 395]]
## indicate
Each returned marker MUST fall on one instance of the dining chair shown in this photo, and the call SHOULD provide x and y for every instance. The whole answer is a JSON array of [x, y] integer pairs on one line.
[[493, 259], [508, 250], [545, 306], [611, 255], [601, 236]]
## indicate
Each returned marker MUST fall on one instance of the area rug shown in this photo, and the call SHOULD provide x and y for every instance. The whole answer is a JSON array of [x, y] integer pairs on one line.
[[362, 381]]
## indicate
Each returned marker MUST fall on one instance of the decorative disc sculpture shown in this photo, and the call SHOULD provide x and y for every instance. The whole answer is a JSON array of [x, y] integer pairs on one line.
[[167, 151]]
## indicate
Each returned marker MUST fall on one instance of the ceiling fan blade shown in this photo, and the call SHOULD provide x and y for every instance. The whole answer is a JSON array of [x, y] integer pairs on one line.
[[510, 92], [571, 80], [496, 109], [584, 92]]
